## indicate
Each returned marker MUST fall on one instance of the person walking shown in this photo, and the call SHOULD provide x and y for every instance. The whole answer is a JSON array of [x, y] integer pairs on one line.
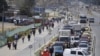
[[47, 27], [29, 36], [9, 45], [16, 37], [52, 25], [15, 45], [50, 30], [51, 50], [39, 30], [33, 31], [23, 37], [43, 28]]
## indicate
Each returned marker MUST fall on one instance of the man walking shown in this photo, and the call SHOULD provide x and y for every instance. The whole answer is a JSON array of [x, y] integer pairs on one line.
[[39, 30], [29, 36], [9, 45], [16, 37], [23, 37], [15, 45], [33, 31]]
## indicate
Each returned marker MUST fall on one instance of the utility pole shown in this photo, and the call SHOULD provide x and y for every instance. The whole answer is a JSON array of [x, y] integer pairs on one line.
[[3, 22], [43, 14]]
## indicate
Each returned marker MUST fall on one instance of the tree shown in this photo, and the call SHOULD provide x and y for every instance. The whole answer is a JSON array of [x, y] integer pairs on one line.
[[26, 6], [3, 6]]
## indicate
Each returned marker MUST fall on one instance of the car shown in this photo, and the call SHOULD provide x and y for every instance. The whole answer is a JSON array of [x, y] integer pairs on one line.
[[75, 52], [84, 42], [9, 19], [23, 21], [74, 39], [84, 46], [58, 51], [78, 33], [58, 43], [83, 19], [84, 39], [91, 20]]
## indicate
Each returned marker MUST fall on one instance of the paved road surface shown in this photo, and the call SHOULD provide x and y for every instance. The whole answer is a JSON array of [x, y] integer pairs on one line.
[[96, 30]]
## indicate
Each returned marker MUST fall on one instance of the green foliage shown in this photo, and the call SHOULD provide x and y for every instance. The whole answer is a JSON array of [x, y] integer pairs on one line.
[[26, 8], [3, 6]]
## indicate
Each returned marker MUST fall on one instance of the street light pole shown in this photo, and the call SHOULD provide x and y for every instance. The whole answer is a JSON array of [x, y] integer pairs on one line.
[[3, 21], [43, 3]]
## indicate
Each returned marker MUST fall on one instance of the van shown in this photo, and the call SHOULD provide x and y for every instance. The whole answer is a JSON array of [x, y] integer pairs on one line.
[[75, 52]]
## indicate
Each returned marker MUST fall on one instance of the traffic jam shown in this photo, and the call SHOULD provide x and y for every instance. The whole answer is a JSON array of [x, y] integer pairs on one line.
[[74, 39]]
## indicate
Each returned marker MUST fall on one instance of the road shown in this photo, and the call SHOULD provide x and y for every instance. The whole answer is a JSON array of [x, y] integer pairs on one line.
[[95, 26], [96, 31]]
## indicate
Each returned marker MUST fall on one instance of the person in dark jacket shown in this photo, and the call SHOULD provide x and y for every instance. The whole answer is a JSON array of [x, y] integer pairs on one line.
[[29, 36], [9, 45], [43, 28], [39, 30], [51, 50], [15, 45], [34, 32], [52, 25], [23, 37]]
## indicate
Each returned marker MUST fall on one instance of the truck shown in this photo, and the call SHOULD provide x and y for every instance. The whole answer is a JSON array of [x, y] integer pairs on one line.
[[64, 32]]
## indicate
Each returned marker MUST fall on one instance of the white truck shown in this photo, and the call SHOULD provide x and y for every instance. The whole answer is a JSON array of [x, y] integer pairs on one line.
[[64, 32], [75, 52], [76, 25]]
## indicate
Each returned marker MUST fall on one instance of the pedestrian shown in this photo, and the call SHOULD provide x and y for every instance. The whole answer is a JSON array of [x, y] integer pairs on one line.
[[52, 25], [47, 27], [33, 32], [15, 45], [68, 45], [50, 30], [29, 36], [23, 37], [39, 30], [65, 45], [51, 50], [9, 44], [16, 37], [43, 28]]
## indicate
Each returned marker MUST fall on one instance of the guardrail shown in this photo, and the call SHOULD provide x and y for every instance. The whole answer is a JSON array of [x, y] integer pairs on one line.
[[93, 47]]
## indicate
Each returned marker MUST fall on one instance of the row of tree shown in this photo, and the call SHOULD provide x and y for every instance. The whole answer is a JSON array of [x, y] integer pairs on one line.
[[3, 6], [24, 6]]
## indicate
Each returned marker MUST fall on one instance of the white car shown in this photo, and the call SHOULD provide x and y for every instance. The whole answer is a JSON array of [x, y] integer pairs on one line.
[[84, 46], [74, 39], [75, 52]]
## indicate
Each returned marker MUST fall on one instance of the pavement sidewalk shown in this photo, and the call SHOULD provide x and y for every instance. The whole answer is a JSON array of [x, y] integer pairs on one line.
[[4, 51]]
